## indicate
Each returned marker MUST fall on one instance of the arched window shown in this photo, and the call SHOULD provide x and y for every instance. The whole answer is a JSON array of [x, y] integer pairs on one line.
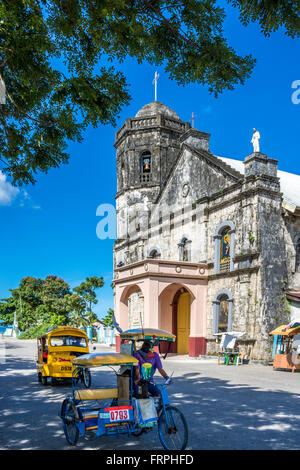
[[225, 250], [154, 253], [224, 247], [146, 167], [184, 249], [297, 264], [222, 313]]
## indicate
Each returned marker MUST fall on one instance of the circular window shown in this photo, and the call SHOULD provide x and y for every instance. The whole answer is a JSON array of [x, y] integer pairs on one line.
[[185, 189]]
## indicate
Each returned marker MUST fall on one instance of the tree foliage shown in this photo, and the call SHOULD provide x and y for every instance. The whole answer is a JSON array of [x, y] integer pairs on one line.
[[56, 62], [107, 320], [271, 15], [87, 293], [41, 303], [37, 301], [59, 61]]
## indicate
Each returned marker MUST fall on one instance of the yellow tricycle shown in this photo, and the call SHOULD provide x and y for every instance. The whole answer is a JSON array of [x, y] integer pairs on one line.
[[56, 351]]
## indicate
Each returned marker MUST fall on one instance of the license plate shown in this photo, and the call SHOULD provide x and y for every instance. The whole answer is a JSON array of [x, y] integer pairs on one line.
[[66, 369], [119, 415]]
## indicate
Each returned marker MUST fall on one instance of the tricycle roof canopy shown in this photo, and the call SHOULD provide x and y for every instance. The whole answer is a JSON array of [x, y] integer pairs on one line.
[[105, 359], [291, 329], [65, 330], [148, 333]]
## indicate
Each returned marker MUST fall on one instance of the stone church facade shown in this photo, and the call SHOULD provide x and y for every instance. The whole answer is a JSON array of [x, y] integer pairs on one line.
[[205, 244]]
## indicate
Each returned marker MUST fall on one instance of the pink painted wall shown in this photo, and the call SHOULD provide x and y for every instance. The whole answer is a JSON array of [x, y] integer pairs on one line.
[[159, 288]]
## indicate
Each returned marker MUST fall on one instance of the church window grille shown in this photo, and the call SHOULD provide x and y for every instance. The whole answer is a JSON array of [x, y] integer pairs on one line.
[[225, 250], [223, 314], [154, 254], [222, 311], [146, 167], [297, 266], [224, 240], [171, 221], [185, 249]]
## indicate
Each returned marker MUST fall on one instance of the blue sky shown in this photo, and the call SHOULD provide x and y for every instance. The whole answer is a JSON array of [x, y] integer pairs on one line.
[[50, 228]]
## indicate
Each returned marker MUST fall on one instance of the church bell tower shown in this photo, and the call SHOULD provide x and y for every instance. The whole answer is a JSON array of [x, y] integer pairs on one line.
[[147, 148]]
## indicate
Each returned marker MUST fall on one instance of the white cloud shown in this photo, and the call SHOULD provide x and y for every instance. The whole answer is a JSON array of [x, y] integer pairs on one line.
[[24, 200], [7, 192]]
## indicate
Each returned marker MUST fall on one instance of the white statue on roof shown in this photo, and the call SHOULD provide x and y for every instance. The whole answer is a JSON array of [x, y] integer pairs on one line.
[[255, 140]]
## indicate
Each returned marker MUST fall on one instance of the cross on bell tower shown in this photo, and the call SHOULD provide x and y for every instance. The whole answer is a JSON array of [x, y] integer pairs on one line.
[[193, 118], [156, 77]]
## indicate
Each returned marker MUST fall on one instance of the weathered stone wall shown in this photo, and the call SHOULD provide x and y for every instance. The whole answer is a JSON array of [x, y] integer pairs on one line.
[[158, 134], [191, 194], [291, 225], [273, 309], [154, 134], [243, 281], [176, 213], [244, 287]]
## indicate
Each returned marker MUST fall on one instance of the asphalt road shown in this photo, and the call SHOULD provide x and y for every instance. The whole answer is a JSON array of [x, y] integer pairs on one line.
[[226, 407]]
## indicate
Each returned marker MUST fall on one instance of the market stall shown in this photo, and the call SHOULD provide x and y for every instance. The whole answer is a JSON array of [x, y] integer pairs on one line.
[[285, 355], [229, 352]]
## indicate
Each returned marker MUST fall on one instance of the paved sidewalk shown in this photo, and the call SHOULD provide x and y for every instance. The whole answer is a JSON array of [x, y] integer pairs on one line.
[[185, 357]]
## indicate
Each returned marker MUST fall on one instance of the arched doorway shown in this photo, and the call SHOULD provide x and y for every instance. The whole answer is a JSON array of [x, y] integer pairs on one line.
[[183, 322], [175, 316]]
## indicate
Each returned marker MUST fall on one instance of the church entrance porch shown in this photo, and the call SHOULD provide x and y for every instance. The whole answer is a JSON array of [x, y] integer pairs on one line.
[[167, 295]]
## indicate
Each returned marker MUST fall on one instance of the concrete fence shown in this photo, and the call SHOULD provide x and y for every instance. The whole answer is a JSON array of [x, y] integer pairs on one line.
[[104, 334], [10, 331]]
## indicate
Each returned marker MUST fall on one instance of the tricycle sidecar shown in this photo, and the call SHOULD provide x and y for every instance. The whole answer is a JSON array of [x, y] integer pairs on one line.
[[93, 413]]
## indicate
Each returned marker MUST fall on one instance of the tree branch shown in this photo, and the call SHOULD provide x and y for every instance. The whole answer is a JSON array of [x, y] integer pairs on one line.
[[6, 59], [46, 123], [158, 12]]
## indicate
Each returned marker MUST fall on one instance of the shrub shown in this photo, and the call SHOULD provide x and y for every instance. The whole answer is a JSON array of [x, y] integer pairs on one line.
[[34, 331]]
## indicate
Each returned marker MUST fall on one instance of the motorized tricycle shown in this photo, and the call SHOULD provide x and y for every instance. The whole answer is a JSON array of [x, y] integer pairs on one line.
[[93, 413], [55, 352]]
